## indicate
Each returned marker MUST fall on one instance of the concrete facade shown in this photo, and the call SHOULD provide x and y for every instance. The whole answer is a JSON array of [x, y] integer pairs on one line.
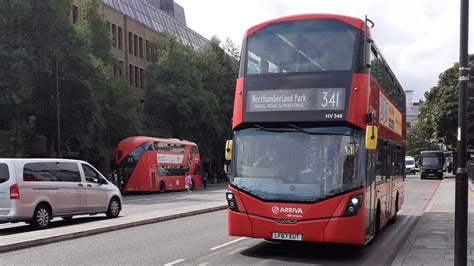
[[413, 108], [133, 24]]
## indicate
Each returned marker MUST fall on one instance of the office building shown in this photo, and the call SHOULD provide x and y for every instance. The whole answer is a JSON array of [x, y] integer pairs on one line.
[[133, 24]]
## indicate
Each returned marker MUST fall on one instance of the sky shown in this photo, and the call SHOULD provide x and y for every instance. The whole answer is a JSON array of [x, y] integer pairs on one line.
[[418, 38]]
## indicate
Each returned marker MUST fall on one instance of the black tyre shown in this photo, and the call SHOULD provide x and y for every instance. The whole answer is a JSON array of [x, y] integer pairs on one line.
[[413, 172], [67, 218], [162, 187], [422, 176], [41, 217], [394, 218], [377, 221], [440, 176], [114, 208]]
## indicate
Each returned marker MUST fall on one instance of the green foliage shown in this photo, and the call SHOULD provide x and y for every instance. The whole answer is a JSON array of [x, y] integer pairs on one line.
[[189, 94], [438, 119], [96, 110], [418, 139]]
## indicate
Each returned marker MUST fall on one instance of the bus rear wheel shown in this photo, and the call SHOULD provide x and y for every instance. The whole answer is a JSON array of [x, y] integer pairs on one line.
[[377, 221], [394, 217], [162, 187]]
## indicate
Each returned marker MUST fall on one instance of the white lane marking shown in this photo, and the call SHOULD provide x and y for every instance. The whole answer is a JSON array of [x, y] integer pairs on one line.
[[228, 243], [174, 262]]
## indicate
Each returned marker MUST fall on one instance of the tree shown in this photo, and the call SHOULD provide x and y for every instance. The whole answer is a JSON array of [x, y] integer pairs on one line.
[[189, 94], [439, 115], [96, 109]]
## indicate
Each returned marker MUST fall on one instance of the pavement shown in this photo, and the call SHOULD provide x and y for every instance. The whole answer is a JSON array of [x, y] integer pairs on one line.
[[432, 240], [193, 205]]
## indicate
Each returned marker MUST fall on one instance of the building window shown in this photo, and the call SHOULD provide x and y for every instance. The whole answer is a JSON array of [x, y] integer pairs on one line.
[[75, 14], [142, 79], [135, 45], [130, 43], [114, 35], [147, 50], [141, 47], [120, 70], [130, 74], [120, 38], [136, 77]]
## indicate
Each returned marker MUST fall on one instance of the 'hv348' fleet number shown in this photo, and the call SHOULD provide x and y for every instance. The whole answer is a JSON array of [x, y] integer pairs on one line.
[[332, 116]]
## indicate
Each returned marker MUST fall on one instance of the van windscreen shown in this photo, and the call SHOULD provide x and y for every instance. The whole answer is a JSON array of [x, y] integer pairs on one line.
[[4, 174]]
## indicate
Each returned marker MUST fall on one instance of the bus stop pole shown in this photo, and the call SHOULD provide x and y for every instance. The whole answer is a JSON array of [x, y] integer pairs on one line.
[[460, 227]]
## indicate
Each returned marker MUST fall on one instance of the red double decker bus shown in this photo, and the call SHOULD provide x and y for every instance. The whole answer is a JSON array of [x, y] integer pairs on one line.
[[319, 133], [147, 164]]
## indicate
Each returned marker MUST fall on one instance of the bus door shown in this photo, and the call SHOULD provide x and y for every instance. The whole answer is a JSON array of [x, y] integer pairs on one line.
[[370, 195], [389, 175]]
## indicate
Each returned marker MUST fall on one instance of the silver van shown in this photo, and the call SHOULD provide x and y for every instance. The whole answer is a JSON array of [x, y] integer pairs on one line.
[[36, 190]]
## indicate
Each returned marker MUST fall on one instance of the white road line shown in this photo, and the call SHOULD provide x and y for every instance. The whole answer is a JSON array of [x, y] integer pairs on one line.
[[174, 262], [228, 243]]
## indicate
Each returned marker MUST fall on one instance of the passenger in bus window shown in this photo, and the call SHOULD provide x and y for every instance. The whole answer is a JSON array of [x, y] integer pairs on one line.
[[268, 159]]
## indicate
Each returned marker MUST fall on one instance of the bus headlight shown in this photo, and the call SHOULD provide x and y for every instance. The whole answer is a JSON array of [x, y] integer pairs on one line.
[[232, 204], [353, 205]]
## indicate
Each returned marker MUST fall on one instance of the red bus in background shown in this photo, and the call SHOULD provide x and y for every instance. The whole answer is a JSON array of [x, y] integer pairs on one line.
[[319, 133], [147, 164]]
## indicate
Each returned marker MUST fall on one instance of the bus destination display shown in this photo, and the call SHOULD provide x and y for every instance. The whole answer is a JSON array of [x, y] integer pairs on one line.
[[311, 99]]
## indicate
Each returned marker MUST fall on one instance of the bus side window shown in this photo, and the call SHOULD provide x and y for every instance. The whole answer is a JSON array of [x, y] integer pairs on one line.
[[380, 162]]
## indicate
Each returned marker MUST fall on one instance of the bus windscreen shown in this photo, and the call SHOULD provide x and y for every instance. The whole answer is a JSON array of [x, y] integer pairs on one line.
[[291, 165]]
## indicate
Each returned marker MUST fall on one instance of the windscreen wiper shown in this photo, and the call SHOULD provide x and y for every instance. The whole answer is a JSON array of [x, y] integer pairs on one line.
[[279, 130], [316, 133]]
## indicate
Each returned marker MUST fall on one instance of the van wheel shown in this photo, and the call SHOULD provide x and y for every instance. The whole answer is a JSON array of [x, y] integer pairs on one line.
[[67, 218], [41, 217], [114, 208], [162, 187]]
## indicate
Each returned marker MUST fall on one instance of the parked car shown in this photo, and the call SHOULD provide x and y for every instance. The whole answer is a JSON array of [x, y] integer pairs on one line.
[[410, 166], [36, 190]]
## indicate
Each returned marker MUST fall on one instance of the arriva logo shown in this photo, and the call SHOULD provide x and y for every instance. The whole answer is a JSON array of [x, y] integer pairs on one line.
[[277, 210]]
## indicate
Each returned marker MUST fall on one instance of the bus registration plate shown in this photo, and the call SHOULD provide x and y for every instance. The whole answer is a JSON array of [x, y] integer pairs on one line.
[[287, 236]]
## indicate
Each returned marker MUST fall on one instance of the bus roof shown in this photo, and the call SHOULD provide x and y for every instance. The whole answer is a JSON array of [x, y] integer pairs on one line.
[[138, 140], [357, 23]]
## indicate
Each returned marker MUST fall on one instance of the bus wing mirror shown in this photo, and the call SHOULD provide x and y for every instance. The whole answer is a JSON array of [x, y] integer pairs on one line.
[[371, 136], [228, 150]]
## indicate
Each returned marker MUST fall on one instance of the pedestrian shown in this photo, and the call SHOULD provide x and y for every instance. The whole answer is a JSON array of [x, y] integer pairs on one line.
[[110, 177], [204, 180], [188, 182], [115, 177]]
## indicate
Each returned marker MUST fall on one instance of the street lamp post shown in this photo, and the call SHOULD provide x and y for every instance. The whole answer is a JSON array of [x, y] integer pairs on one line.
[[57, 109], [460, 228]]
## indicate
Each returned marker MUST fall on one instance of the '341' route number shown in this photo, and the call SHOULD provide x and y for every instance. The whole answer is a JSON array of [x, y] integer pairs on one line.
[[330, 99]]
